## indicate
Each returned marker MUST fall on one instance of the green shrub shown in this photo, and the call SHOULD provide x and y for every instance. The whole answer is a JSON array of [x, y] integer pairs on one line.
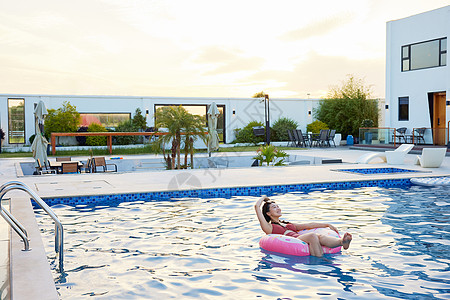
[[367, 123], [279, 129], [96, 140], [126, 126], [245, 135], [316, 126]]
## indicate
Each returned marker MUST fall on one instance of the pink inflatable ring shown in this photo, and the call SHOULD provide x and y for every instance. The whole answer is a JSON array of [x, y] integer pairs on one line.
[[292, 246]]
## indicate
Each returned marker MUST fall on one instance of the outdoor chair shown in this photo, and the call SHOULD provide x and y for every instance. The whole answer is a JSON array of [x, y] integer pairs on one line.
[[88, 166], [298, 136], [400, 134], [331, 137], [65, 158], [40, 169], [292, 141], [431, 157], [323, 138], [419, 135], [100, 162], [69, 168], [391, 157]]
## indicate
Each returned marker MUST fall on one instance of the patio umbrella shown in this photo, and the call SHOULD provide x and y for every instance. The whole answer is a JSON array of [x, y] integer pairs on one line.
[[213, 137], [39, 145]]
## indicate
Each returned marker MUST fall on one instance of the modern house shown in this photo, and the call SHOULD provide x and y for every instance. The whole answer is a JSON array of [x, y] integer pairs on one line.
[[17, 111], [418, 75]]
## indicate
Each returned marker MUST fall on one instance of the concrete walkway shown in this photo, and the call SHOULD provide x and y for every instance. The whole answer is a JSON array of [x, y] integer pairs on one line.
[[63, 185]]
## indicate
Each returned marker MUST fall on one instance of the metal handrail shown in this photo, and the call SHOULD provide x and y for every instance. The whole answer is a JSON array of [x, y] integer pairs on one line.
[[59, 231], [18, 228]]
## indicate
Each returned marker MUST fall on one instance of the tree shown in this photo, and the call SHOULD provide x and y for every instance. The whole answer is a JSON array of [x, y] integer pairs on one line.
[[259, 95], [177, 120], [139, 120], [63, 119], [347, 106]]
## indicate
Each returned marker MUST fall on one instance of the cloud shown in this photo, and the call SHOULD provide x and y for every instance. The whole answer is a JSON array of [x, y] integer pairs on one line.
[[318, 28], [227, 61], [317, 73]]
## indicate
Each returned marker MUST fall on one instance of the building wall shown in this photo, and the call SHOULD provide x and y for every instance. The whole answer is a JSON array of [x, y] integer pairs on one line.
[[246, 109], [415, 84]]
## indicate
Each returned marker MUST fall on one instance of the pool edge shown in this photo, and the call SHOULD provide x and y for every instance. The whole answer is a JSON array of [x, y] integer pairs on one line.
[[30, 274]]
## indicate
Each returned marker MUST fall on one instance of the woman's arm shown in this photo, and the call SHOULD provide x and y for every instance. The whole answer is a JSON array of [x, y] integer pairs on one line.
[[265, 226], [314, 225]]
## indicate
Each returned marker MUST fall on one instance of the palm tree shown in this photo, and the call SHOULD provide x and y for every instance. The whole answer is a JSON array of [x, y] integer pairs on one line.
[[194, 128], [177, 120]]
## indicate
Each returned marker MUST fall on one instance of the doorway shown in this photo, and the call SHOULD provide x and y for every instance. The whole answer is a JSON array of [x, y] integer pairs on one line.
[[439, 118]]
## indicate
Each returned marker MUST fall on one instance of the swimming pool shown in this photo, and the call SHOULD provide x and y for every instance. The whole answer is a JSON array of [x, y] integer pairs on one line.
[[208, 248]]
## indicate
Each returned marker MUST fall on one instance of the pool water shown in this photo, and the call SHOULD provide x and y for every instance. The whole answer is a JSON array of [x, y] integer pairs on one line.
[[208, 248]]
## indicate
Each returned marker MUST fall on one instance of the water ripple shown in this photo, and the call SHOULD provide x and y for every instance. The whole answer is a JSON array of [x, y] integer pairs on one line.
[[208, 248]]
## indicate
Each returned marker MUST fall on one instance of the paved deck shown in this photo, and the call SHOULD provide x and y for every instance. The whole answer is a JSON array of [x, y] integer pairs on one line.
[[135, 182], [118, 183]]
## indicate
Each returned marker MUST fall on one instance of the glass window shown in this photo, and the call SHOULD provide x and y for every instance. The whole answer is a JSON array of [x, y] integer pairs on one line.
[[403, 108], [108, 120], [405, 66], [16, 121], [424, 55], [405, 52]]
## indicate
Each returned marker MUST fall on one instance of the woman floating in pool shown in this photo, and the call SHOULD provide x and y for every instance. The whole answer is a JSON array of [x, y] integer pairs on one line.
[[269, 219]]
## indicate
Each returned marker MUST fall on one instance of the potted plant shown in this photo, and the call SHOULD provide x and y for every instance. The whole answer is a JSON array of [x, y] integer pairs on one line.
[[270, 155], [367, 123]]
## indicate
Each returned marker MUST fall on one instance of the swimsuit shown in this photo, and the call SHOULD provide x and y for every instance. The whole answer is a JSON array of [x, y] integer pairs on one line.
[[290, 228]]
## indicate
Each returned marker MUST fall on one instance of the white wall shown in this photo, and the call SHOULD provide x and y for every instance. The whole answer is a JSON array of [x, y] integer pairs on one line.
[[247, 109], [415, 84]]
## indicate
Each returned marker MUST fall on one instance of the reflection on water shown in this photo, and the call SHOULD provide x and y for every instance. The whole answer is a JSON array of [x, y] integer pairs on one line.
[[208, 248]]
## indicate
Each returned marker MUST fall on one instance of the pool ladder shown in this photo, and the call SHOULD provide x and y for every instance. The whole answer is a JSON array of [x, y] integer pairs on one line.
[[20, 230]]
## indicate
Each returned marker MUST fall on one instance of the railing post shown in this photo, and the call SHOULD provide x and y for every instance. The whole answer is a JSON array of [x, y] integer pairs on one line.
[[53, 139]]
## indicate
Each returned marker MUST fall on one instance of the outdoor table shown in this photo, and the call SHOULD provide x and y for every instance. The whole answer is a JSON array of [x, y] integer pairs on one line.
[[57, 165]]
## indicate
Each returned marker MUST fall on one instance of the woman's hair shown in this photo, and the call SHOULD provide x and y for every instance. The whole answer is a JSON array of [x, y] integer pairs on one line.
[[266, 209]]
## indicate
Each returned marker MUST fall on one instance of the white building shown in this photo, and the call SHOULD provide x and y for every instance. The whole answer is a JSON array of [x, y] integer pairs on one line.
[[17, 111], [417, 74]]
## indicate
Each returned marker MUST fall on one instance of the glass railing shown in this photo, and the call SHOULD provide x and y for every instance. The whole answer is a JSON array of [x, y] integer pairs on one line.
[[417, 136]]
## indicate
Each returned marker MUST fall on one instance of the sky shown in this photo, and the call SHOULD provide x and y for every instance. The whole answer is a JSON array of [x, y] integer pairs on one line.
[[196, 48]]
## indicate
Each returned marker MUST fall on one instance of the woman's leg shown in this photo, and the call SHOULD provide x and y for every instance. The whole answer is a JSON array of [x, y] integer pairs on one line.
[[313, 241], [332, 242]]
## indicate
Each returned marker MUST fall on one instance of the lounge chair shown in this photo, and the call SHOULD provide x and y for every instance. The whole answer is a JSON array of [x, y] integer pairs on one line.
[[391, 157], [100, 162], [431, 157]]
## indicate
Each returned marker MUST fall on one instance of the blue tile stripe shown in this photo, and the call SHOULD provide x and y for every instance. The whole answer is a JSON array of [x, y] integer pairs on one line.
[[377, 170], [115, 199]]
